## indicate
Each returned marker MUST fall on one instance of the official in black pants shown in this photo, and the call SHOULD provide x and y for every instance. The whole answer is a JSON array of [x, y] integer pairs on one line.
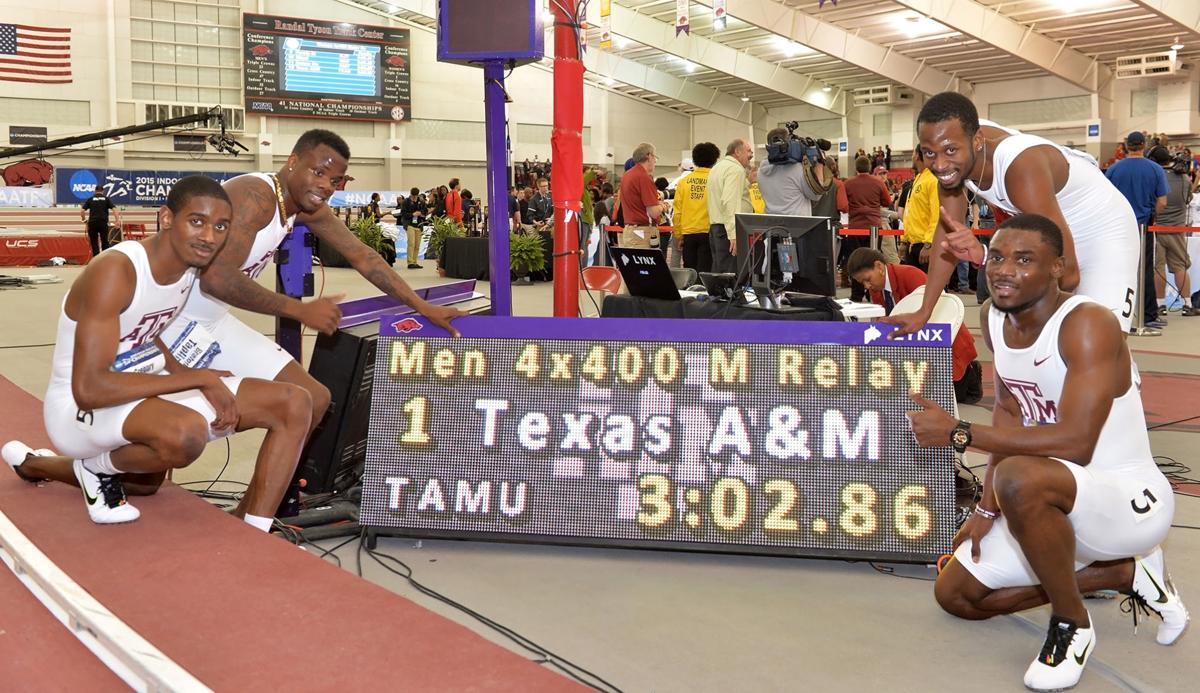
[[94, 211]]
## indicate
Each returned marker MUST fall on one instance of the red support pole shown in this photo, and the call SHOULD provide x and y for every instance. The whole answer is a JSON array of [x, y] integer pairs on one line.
[[566, 144]]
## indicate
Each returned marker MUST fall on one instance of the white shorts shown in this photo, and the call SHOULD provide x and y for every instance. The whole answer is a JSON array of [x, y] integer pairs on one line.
[[1115, 516], [244, 352], [79, 434], [1108, 275]]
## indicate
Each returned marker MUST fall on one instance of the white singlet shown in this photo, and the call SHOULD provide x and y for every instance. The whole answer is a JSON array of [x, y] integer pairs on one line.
[[1101, 221], [244, 351], [82, 434], [1123, 503]]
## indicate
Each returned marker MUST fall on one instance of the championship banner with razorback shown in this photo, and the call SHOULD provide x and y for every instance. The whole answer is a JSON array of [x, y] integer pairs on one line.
[[792, 439]]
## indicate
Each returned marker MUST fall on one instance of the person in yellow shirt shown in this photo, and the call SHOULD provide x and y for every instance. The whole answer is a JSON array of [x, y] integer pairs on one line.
[[691, 208], [920, 216], [756, 198]]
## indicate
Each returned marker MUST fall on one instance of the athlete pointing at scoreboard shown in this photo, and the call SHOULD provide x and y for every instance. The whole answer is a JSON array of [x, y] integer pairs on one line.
[[1024, 173], [265, 208], [1074, 502]]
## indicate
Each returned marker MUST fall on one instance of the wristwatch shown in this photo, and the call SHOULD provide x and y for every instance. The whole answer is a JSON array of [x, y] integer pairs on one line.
[[960, 437]]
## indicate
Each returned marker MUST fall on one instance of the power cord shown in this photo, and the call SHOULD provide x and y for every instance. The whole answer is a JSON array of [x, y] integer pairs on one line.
[[564, 665]]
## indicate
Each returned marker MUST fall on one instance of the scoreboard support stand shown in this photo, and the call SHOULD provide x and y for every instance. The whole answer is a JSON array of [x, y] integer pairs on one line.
[[496, 128]]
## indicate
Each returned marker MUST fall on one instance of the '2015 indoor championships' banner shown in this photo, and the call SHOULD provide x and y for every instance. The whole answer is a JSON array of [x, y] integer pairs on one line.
[[125, 187], [792, 439]]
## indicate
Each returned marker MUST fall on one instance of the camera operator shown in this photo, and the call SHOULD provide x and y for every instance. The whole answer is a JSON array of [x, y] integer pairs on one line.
[[793, 176], [1170, 249]]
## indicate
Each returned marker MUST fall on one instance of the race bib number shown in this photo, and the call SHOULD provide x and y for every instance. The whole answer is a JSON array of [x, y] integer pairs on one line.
[[195, 346]]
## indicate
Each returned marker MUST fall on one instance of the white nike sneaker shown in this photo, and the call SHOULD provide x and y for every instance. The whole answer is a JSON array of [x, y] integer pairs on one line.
[[1063, 656], [15, 452], [105, 496], [1153, 587]]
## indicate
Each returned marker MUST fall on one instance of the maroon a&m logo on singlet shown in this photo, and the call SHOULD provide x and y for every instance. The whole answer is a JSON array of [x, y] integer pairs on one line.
[[1035, 408], [150, 326], [256, 269]]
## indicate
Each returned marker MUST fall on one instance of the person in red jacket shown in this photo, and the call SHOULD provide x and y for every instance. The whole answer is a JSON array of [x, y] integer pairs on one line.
[[887, 283], [454, 202]]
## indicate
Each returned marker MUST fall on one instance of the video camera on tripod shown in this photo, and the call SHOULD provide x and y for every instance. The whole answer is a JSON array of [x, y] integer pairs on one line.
[[796, 149]]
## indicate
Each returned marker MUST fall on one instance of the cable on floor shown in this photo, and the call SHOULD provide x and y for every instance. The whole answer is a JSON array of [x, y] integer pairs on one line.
[[567, 667]]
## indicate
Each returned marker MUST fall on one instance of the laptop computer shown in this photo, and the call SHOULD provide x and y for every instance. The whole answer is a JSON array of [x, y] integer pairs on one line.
[[645, 273]]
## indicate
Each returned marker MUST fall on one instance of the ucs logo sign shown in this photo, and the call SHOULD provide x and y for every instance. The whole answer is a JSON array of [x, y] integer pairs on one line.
[[22, 243]]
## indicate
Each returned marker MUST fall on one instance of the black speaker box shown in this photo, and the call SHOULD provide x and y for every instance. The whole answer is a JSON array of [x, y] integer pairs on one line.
[[344, 362]]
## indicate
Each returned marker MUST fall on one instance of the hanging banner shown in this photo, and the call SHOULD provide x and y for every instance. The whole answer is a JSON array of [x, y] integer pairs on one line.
[[21, 196], [606, 24], [682, 24], [720, 15]]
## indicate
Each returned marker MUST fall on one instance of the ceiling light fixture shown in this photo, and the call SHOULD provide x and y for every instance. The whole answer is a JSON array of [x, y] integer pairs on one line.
[[1177, 46], [745, 98], [827, 88]]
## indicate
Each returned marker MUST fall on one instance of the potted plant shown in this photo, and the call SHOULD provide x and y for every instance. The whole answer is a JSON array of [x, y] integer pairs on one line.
[[443, 227], [368, 230], [525, 254]]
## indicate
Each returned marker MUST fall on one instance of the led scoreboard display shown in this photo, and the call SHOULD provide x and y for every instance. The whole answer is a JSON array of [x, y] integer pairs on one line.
[[321, 69], [792, 439]]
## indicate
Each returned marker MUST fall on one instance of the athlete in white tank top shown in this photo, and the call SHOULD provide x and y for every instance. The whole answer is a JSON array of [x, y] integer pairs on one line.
[[1072, 501], [153, 307], [1035, 376], [1024, 173]]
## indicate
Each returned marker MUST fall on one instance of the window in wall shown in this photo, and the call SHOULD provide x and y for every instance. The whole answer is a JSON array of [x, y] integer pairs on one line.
[[1143, 102], [183, 51], [881, 124], [44, 111], [1042, 110]]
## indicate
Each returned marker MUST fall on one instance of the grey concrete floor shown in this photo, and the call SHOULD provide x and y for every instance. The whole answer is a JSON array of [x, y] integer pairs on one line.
[[670, 621]]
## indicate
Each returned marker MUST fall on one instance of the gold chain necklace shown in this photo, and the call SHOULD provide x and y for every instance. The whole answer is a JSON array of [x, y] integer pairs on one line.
[[282, 207]]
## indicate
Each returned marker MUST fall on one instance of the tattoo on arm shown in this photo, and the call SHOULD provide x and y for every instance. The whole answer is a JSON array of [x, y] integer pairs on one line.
[[253, 208]]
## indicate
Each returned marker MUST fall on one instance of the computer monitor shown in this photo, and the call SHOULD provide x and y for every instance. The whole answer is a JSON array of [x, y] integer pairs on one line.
[[813, 237]]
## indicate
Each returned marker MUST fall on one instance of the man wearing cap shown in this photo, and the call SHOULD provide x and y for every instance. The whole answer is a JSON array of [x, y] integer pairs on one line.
[[1144, 184]]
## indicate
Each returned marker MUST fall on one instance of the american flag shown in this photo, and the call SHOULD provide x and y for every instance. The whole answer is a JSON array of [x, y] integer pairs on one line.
[[35, 54]]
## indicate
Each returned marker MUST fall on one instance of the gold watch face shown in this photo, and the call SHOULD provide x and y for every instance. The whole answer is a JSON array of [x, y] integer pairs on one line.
[[960, 437]]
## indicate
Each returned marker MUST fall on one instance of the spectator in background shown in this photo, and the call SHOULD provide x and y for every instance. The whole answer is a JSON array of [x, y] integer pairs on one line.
[[887, 156], [527, 210], [728, 195], [691, 209], [639, 202], [470, 211], [514, 208], [412, 217], [866, 195], [665, 195], [454, 206], [1171, 248], [1144, 184], [757, 204], [833, 203], [602, 212], [439, 201], [921, 214], [541, 205], [372, 211]]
